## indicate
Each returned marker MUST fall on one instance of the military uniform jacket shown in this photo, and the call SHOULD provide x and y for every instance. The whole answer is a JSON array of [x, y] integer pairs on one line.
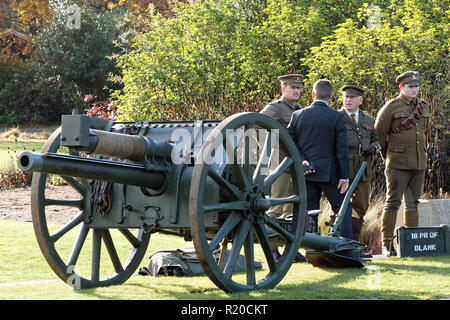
[[357, 143], [406, 149], [281, 110]]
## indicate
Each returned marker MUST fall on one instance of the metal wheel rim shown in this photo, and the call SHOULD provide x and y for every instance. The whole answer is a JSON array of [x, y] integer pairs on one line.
[[202, 171], [66, 271]]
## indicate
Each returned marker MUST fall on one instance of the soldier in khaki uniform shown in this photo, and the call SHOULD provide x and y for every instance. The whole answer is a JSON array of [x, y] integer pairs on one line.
[[363, 144], [281, 110], [401, 125]]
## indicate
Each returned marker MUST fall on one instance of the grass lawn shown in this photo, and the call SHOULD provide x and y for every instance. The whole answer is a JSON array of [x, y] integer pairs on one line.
[[387, 279], [10, 150]]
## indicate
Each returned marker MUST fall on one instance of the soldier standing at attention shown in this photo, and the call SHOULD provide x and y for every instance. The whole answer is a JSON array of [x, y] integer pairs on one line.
[[281, 110], [362, 144], [401, 125]]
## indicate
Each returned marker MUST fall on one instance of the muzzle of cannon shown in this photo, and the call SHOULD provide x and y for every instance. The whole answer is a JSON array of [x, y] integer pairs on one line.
[[208, 181], [95, 169]]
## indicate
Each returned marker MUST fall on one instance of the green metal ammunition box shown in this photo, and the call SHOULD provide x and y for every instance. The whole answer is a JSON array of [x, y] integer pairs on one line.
[[422, 241]]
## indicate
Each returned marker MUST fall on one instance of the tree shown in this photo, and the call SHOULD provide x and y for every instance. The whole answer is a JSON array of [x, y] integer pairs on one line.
[[72, 40], [77, 44], [372, 50], [216, 58], [405, 38]]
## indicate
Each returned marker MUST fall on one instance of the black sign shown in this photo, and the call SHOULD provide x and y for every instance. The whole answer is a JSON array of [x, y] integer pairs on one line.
[[423, 241]]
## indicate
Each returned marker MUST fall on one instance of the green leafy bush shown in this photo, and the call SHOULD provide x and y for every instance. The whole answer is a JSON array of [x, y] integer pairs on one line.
[[406, 35], [216, 58], [373, 54], [69, 62]]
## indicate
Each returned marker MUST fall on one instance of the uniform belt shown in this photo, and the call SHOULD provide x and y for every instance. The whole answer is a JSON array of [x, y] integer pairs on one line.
[[353, 149], [412, 119]]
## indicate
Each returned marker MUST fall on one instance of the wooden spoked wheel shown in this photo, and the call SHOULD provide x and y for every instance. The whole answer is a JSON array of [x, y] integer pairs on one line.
[[245, 222], [69, 254]]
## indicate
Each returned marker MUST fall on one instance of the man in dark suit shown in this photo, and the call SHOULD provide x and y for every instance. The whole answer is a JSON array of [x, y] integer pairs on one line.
[[320, 134]]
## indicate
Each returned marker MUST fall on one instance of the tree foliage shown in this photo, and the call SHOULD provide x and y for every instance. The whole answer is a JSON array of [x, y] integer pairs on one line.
[[79, 51], [31, 14], [404, 36], [216, 58], [374, 49], [25, 98], [62, 53]]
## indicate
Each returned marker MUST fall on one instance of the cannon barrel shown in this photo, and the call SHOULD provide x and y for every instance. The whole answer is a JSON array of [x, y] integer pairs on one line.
[[95, 169], [318, 242]]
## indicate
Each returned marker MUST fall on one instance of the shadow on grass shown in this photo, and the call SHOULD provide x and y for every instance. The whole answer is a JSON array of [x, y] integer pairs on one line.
[[155, 292], [379, 280], [399, 264]]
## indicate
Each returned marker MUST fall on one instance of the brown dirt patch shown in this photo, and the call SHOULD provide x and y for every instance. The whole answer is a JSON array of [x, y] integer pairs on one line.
[[15, 204]]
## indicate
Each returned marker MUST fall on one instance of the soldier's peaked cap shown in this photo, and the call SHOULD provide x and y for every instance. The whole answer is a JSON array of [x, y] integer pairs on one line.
[[408, 77], [294, 80], [352, 90]]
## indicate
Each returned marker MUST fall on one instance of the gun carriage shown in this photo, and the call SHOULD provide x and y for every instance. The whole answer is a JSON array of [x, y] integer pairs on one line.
[[209, 181]]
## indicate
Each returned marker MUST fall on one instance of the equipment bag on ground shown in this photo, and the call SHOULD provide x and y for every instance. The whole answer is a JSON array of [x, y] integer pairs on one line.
[[184, 262]]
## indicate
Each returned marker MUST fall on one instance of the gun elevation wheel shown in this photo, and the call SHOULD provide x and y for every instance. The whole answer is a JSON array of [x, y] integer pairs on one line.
[[243, 144], [69, 255]]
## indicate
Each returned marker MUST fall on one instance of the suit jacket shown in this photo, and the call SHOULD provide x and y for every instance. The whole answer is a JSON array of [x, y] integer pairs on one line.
[[320, 134]]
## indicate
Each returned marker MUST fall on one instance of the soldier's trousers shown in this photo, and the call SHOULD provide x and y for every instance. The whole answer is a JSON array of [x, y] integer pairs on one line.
[[407, 184], [360, 198], [281, 188], [401, 184]]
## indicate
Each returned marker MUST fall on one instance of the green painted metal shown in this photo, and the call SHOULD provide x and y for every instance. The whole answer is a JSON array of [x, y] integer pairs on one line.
[[337, 227], [94, 169], [215, 191], [65, 265], [246, 219]]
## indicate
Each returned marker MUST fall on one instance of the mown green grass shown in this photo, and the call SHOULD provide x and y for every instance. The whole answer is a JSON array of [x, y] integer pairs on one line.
[[389, 278], [10, 150]]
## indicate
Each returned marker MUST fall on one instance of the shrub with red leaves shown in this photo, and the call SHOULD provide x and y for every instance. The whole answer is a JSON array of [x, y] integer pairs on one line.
[[100, 109]]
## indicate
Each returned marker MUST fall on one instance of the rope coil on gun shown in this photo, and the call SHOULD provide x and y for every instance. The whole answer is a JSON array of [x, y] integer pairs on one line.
[[123, 146], [101, 197]]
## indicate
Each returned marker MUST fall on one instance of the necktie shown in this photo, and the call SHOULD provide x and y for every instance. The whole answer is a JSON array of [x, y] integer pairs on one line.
[[353, 119]]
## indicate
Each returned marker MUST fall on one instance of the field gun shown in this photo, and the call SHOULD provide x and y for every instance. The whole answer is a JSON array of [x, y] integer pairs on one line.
[[208, 181]]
